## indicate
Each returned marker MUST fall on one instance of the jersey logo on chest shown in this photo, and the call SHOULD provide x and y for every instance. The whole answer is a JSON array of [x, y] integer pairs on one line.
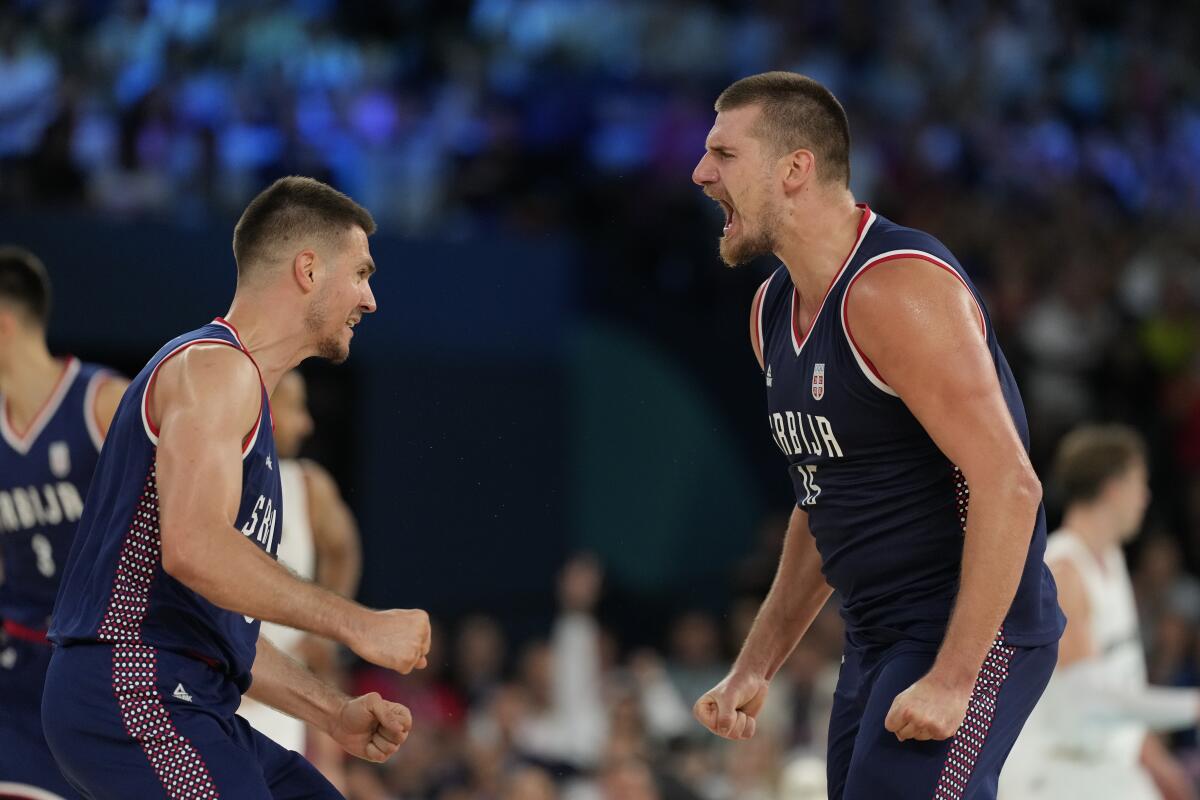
[[818, 381]]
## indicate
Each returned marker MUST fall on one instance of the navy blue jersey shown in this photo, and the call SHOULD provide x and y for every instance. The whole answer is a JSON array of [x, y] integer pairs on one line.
[[44, 476], [887, 508], [114, 588]]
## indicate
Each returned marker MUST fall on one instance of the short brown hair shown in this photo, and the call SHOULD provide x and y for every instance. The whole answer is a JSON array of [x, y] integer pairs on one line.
[[288, 209], [1091, 456], [797, 112], [25, 284]]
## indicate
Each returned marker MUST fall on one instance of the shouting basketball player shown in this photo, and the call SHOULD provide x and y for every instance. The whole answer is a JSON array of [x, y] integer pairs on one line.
[[907, 445]]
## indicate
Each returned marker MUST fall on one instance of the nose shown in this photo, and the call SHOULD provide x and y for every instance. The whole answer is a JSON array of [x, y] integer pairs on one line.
[[705, 171], [367, 303]]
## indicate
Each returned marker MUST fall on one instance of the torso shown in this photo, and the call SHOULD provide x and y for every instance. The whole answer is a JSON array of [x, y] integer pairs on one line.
[[886, 507], [45, 471], [114, 587]]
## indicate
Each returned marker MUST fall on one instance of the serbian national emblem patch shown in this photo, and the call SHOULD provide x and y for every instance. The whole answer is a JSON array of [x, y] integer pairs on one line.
[[818, 381]]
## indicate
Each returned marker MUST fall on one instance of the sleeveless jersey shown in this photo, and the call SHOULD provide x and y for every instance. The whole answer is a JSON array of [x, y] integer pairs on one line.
[[887, 508], [44, 476], [298, 553], [114, 588], [1114, 630]]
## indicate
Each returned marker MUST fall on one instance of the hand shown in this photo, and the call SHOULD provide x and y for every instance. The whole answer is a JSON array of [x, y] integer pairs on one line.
[[929, 709], [730, 709], [370, 727], [398, 639]]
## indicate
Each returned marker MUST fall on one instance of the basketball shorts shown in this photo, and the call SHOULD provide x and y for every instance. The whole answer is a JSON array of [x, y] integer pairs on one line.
[[868, 762], [27, 769], [128, 721]]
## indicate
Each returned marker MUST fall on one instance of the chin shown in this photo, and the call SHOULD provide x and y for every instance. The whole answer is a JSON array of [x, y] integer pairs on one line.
[[334, 350]]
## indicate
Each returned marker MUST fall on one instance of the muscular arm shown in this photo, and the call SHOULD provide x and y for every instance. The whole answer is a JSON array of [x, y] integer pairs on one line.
[[921, 329], [207, 399], [368, 727], [797, 595], [335, 534]]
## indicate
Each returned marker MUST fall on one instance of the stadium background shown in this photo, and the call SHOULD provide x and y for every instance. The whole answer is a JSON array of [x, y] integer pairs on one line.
[[559, 364]]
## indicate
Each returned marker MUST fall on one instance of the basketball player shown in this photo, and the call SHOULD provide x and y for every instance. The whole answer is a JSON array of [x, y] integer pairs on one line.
[[156, 621], [1089, 737], [889, 395], [320, 542], [54, 414]]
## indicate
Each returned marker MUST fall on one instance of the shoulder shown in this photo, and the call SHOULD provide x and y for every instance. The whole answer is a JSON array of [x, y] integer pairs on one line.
[[910, 284], [217, 376]]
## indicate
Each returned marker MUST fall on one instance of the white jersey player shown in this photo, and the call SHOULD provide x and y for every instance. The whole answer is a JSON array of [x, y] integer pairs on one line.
[[319, 543], [1092, 734]]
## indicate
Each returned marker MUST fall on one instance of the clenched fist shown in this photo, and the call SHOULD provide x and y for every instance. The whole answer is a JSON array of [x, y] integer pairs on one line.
[[371, 728], [730, 709], [398, 639], [929, 709]]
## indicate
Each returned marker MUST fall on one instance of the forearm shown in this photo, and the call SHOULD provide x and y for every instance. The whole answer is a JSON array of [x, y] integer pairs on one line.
[[284, 683], [1087, 686], [996, 544], [797, 595], [231, 572]]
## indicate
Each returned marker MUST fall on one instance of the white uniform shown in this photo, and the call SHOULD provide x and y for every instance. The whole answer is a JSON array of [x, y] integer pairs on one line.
[[1085, 736], [297, 552]]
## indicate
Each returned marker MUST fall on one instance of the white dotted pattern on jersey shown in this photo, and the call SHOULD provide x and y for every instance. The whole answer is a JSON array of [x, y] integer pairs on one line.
[[967, 744], [175, 760]]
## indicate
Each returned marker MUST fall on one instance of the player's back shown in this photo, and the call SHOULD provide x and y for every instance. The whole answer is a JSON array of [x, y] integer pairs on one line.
[[887, 508], [114, 589], [44, 476]]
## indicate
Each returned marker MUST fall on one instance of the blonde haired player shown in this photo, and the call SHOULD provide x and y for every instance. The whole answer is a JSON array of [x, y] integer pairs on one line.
[[320, 543], [1091, 736]]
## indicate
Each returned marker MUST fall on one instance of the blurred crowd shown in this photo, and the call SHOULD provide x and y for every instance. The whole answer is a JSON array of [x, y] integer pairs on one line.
[[1054, 147], [574, 715]]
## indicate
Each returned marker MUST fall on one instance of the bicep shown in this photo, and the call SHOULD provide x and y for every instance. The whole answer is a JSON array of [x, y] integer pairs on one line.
[[205, 405], [921, 329]]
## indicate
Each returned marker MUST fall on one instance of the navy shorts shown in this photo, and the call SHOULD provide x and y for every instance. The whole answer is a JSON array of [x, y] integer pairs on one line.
[[27, 769], [868, 762], [128, 721]]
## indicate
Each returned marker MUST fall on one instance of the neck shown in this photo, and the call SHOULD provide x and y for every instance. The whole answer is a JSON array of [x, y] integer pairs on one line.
[[1094, 526], [273, 333], [28, 376], [815, 240]]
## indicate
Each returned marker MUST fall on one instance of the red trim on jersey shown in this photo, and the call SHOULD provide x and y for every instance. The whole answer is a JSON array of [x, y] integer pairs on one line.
[[900, 257], [800, 340], [756, 315], [154, 376], [26, 634], [226, 323], [45, 406]]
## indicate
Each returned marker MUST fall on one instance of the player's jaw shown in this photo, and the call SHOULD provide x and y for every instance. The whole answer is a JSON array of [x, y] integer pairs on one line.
[[740, 242]]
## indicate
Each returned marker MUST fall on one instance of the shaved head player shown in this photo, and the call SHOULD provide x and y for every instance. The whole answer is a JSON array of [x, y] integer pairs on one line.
[[157, 617], [907, 446]]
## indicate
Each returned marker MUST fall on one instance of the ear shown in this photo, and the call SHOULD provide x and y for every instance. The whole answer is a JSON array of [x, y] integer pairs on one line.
[[800, 166], [304, 269]]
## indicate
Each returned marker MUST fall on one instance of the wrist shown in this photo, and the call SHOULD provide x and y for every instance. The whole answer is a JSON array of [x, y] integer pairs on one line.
[[356, 621], [953, 674]]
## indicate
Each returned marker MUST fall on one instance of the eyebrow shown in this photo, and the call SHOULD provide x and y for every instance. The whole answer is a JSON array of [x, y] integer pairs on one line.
[[719, 148], [370, 265]]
